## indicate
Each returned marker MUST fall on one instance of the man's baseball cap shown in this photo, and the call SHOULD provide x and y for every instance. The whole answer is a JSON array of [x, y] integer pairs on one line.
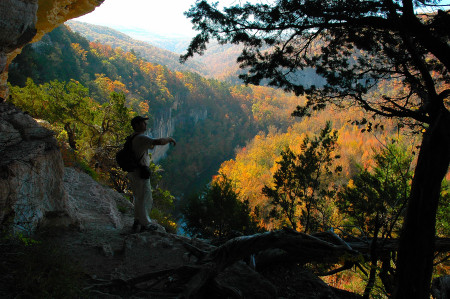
[[137, 120]]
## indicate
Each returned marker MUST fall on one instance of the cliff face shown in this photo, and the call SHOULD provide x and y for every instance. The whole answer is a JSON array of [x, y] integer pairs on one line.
[[165, 122], [163, 125], [31, 169], [24, 21]]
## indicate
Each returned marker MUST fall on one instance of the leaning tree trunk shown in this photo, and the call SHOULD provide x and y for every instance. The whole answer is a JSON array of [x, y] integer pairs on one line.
[[416, 248], [71, 136]]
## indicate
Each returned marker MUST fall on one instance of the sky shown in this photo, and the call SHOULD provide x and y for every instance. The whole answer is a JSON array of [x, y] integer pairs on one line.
[[162, 17]]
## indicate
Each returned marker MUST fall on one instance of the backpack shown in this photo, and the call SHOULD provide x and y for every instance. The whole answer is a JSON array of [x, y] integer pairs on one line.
[[125, 157]]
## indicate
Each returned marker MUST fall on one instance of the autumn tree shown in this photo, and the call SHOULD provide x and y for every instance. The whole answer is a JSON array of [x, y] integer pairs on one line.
[[301, 183], [355, 46]]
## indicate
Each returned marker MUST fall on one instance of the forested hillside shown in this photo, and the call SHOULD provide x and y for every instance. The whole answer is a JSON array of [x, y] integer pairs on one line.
[[212, 118], [95, 32], [152, 52], [218, 62]]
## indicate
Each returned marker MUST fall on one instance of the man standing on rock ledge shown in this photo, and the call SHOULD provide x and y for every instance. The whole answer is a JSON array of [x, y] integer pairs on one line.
[[140, 178]]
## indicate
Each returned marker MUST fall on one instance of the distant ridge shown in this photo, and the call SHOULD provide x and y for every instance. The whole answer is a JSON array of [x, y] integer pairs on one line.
[[177, 44], [146, 50], [218, 62]]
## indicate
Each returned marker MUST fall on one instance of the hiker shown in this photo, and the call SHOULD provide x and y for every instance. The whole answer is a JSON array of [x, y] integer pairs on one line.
[[140, 178]]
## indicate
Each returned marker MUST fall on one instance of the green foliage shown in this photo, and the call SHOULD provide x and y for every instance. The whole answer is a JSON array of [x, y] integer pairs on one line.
[[374, 199], [84, 166], [93, 130], [217, 123], [163, 201], [66, 106], [64, 55], [443, 213], [164, 219], [218, 212], [52, 58], [301, 185], [373, 203]]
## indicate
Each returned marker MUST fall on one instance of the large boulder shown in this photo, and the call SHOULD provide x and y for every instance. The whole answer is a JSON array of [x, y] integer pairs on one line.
[[93, 205], [31, 171]]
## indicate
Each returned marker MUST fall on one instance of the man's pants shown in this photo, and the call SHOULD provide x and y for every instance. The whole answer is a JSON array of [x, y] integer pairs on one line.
[[143, 200]]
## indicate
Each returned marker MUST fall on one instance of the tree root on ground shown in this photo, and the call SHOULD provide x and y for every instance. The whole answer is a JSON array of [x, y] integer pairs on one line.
[[275, 247], [189, 281]]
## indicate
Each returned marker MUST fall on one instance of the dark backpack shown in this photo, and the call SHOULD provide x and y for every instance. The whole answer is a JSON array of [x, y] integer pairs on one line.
[[125, 157]]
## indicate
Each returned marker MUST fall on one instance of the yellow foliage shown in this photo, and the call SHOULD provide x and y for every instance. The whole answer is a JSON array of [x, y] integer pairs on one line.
[[351, 184], [80, 51], [144, 107]]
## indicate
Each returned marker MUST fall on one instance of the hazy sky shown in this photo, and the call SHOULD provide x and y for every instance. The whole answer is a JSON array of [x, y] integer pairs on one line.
[[164, 17]]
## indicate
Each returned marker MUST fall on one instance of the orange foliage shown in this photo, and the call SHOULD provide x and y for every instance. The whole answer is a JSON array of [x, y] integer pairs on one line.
[[109, 85], [144, 108], [101, 49], [254, 165]]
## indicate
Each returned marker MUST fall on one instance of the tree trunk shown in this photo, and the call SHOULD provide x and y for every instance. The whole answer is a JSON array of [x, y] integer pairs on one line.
[[71, 136], [373, 261], [387, 274], [416, 248]]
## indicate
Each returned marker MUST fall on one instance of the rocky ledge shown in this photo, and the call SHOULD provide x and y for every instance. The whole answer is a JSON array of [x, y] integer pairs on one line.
[[121, 264]]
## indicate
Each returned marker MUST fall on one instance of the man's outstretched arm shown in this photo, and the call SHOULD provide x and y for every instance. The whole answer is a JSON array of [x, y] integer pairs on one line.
[[164, 141]]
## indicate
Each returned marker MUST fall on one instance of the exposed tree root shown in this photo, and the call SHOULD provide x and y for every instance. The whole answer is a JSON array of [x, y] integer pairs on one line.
[[199, 278]]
